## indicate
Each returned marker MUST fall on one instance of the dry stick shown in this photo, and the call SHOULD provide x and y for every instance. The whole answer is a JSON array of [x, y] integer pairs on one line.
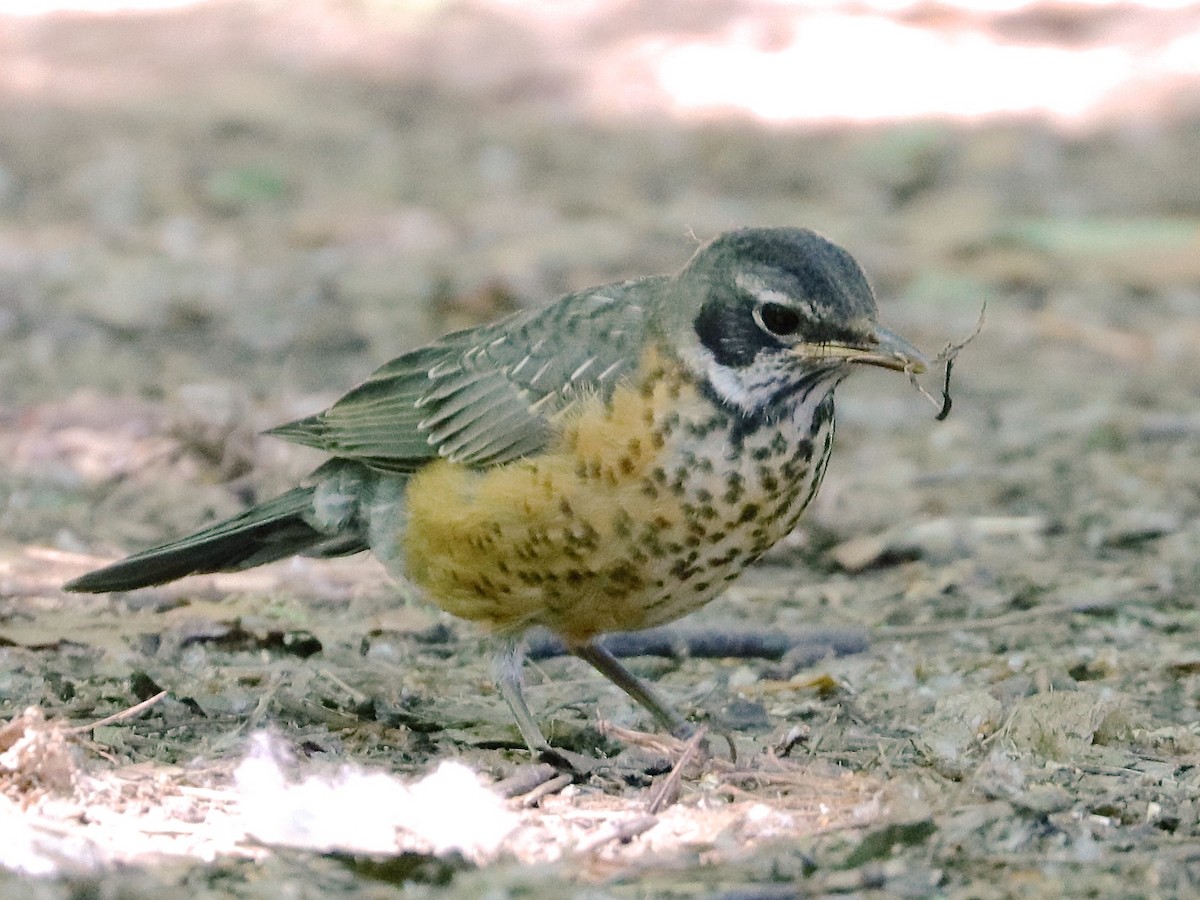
[[1018, 617], [355, 695], [525, 779], [119, 716], [701, 642], [666, 791], [260, 708], [621, 832], [545, 789], [948, 354]]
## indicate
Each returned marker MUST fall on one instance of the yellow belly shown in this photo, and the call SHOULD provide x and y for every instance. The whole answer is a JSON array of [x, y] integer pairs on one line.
[[627, 520]]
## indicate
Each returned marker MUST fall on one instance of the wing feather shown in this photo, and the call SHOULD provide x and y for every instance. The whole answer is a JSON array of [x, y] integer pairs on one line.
[[486, 395]]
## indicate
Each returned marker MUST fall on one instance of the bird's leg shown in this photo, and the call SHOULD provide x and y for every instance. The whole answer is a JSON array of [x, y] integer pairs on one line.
[[507, 666], [608, 666]]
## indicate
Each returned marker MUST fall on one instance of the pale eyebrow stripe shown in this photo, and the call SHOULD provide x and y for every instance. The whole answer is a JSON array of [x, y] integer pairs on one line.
[[755, 286]]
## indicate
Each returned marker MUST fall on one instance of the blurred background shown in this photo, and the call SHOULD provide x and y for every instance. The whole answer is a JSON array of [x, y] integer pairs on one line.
[[233, 211]]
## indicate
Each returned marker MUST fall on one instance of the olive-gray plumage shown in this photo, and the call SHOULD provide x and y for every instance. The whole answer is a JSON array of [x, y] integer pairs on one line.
[[485, 395], [751, 338]]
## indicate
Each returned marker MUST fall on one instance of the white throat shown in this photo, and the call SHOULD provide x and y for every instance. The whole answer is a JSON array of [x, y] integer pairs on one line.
[[762, 387]]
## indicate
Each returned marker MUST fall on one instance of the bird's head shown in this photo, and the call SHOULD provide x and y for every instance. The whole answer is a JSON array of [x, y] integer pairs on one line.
[[762, 313]]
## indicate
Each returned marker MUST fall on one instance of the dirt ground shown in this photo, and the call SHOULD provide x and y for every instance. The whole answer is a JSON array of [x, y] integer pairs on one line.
[[215, 220]]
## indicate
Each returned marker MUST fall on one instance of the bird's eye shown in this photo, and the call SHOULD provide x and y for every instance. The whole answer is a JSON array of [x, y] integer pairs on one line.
[[778, 319]]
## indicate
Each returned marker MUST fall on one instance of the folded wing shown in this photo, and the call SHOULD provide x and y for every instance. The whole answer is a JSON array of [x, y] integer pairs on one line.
[[486, 395]]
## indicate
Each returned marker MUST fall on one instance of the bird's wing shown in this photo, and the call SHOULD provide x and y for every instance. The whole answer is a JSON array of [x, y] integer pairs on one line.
[[486, 395]]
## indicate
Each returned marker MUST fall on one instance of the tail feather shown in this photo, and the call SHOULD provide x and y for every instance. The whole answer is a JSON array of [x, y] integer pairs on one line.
[[275, 530]]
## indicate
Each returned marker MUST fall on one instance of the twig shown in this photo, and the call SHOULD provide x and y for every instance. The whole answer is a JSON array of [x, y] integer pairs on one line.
[[947, 355], [715, 643], [1018, 617], [119, 716], [546, 788], [356, 696], [621, 832], [666, 791], [525, 779]]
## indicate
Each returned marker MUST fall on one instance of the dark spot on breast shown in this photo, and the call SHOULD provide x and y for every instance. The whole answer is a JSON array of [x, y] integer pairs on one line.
[[724, 559], [749, 513], [733, 488], [651, 544], [623, 577], [485, 588], [586, 536], [681, 570], [622, 524]]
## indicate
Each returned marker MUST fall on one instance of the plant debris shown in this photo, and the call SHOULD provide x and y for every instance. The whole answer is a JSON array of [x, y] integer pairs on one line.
[[946, 357]]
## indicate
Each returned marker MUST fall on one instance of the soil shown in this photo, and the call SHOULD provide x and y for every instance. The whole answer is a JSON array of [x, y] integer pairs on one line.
[[217, 219]]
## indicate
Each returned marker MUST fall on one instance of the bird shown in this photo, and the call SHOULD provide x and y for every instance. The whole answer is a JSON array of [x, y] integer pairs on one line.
[[610, 462]]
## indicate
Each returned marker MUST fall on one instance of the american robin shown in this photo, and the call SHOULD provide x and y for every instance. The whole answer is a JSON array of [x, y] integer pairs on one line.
[[607, 463]]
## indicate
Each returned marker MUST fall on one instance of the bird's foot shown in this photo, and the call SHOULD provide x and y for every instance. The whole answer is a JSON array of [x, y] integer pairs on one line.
[[566, 762]]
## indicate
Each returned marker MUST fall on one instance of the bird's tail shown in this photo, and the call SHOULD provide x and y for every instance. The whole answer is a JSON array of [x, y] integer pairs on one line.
[[288, 525]]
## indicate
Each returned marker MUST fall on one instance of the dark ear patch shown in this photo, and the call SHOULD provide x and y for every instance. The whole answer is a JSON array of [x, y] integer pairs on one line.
[[728, 330]]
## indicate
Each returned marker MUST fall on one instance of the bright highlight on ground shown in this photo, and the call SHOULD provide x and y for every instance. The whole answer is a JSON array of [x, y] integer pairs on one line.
[[842, 66], [834, 60]]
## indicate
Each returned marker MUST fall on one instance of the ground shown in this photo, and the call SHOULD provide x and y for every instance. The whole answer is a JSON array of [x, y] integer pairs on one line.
[[216, 220]]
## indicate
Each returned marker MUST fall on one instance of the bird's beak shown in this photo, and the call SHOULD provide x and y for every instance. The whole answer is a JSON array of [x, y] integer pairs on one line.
[[884, 348]]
